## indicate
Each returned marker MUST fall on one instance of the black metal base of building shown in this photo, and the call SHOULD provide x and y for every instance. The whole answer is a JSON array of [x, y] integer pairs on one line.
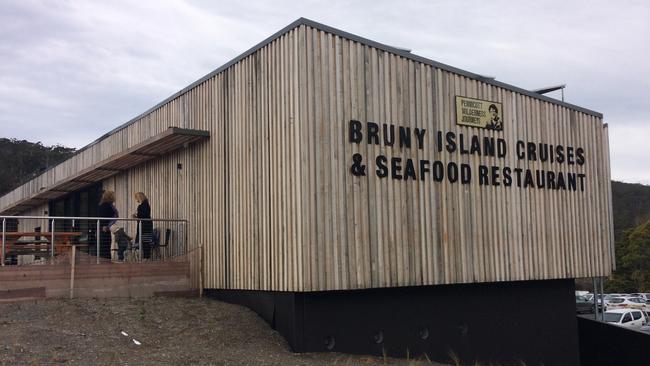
[[503, 322]]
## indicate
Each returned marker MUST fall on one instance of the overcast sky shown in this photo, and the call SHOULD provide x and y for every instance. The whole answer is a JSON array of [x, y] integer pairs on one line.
[[71, 71]]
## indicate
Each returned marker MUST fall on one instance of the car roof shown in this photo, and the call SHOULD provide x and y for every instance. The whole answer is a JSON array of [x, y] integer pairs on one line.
[[620, 311]]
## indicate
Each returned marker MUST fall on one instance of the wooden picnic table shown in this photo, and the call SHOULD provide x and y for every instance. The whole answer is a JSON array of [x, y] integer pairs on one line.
[[20, 243], [66, 235]]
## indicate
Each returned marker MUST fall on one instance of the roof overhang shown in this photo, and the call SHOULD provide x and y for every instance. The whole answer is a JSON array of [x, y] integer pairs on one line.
[[163, 143]]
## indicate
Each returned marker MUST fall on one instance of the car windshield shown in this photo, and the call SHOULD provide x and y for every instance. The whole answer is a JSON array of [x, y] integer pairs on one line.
[[617, 300], [613, 317]]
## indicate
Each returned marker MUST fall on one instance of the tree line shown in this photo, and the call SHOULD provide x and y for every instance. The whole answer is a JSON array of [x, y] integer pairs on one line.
[[632, 238], [21, 160]]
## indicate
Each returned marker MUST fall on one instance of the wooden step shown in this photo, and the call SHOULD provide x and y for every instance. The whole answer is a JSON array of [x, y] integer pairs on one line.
[[23, 294]]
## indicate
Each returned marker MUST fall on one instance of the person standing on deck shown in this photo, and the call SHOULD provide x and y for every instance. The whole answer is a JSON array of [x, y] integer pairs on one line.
[[106, 209], [144, 212]]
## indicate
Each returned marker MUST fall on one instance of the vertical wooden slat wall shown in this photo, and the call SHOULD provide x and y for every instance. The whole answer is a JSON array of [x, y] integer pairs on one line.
[[361, 232], [271, 199]]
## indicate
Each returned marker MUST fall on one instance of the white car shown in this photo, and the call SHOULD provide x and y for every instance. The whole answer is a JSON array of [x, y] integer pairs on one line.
[[609, 297], [628, 318], [643, 295], [627, 303]]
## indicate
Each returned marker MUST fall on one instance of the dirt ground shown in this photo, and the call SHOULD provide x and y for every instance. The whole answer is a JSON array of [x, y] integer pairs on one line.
[[171, 331]]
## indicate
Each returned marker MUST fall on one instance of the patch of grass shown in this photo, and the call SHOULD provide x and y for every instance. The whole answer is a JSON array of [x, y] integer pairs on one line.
[[142, 310]]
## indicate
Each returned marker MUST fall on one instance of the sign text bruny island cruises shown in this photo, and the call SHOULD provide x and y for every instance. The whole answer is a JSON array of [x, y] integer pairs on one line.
[[561, 157]]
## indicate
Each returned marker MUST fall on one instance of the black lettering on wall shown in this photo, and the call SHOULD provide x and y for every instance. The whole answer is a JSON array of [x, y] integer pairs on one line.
[[382, 169], [501, 148], [405, 168], [528, 180], [373, 133], [531, 151], [581, 177], [559, 154], [419, 134], [569, 155], [461, 141], [355, 132], [395, 168], [409, 171], [521, 153], [438, 171], [540, 177], [551, 153], [580, 156], [405, 137], [550, 177], [452, 172], [476, 146], [543, 152], [507, 178], [483, 175], [389, 135], [451, 141], [465, 174], [488, 146], [424, 169], [561, 184], [518, 172], [495, 176], [571, 181]]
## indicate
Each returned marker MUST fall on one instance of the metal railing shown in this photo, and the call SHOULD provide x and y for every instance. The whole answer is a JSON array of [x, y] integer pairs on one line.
[[172, 235]]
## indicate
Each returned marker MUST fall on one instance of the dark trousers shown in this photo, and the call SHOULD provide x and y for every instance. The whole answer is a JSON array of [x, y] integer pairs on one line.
[[105, 244], [146, 242], [120, 252]]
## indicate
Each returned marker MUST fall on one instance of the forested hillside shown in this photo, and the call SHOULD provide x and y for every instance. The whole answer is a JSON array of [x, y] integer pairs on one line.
[[21, 160], [631, 206], [632, 229]]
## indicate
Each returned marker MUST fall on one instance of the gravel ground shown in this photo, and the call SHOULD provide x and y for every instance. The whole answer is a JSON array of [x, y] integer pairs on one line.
[[171, 331]]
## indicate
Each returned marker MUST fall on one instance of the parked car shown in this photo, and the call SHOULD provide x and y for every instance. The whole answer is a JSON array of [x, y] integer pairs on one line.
[[583, 306], [600, 301], [627, 302], [590, 298], [628, 318], [645, 296], [608, 297], [645, 328]]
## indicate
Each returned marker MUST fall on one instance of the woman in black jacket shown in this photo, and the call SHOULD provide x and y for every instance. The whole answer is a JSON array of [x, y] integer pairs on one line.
[[106, 209], [144, 212]]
